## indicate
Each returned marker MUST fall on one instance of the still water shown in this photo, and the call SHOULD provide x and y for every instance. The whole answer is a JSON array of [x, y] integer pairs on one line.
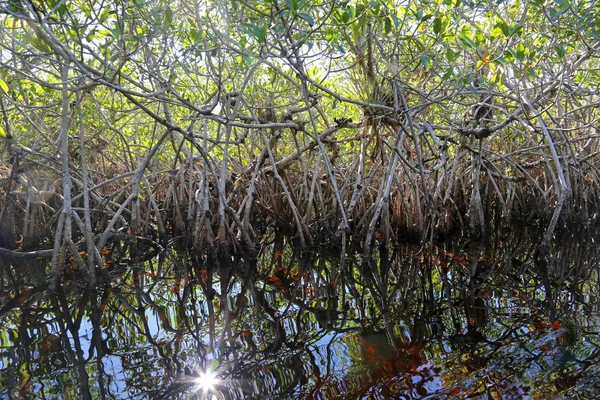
[[441, 321]]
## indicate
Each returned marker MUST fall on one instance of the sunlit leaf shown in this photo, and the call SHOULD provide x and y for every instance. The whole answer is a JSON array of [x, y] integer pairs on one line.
[[104, 14], [520, 52], [3, 85], [330, 35]]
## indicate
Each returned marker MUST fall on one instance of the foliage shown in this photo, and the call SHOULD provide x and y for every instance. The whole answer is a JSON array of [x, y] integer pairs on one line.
[[349, 119]]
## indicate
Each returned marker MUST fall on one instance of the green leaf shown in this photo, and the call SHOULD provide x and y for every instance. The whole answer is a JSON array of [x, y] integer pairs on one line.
[[104, 14], [496, 32], [426, 61], [345, 17], [515, 30], [387, 26], [451, 56], [62, 10], [330, 35], [38, 43], [520, 53], [86, 10], [466, 40], [2, 133], [292, 5], [3, 85], [437, 25], [356, 31], [252, 30], [116, 31], [351, 12], [537, 4], [307, 18], [90, 36], [504, 27], [465, 31], [168, 17], [262, 34], [531, 55]]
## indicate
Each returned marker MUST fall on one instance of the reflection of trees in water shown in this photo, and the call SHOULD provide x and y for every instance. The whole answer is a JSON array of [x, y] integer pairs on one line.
[[442, 318]]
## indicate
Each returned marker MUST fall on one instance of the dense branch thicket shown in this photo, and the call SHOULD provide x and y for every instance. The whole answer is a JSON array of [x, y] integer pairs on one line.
[[212, 125]]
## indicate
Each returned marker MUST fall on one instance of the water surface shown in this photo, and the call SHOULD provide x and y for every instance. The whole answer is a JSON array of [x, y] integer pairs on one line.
[[445, 320]]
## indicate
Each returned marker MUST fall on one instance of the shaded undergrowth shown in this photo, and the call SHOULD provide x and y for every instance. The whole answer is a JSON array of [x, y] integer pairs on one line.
[[188, 207]]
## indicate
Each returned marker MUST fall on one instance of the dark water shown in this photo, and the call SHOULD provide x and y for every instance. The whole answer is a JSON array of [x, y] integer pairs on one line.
[[452, 320]]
